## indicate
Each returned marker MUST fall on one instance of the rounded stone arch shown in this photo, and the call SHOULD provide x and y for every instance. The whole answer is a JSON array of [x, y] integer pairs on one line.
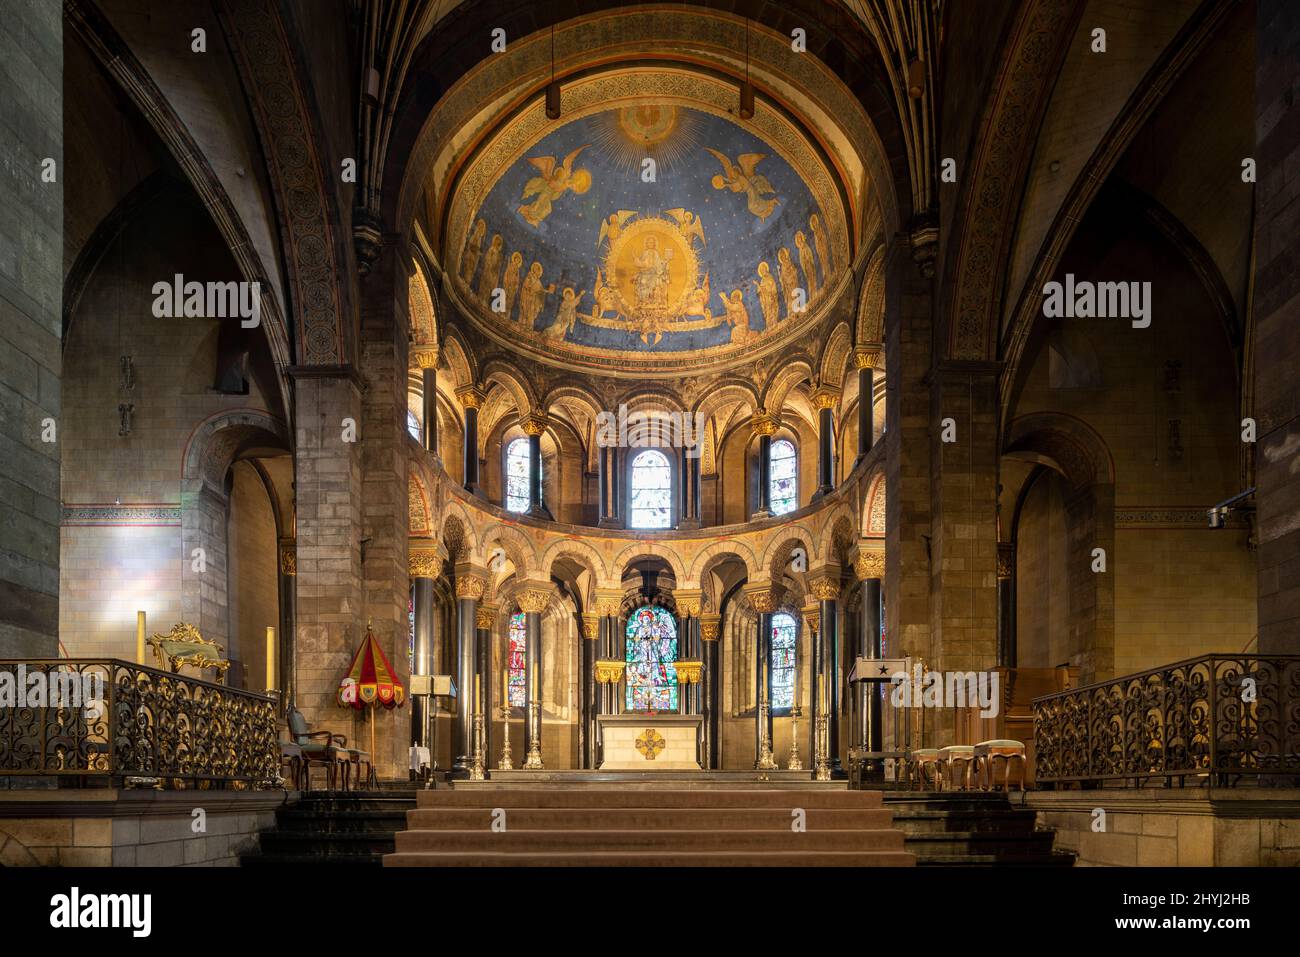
[[727, 390], [835, 356], [419, 519], [579, 551], [419, 306], [497, 371], [458, 533], [873, 507], [580, 409], [648, 550], [871, 300], [516, 546], [1077, 450], [793, 371], [651, 399], [458, 358], [780, 547], [718, 551], [838, 533]]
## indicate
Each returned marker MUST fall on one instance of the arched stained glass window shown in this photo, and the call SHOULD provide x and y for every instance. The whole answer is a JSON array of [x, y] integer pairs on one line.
[[518, 646], [651, 660], [518, 469], [413, 426], [784, 649], [783, 477], [651, 504]]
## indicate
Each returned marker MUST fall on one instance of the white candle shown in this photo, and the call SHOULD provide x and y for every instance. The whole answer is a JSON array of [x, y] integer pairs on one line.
[[270, 658], [139, 637]]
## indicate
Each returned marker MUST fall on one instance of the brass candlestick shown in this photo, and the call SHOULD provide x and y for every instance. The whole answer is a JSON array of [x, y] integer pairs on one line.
[[765, 760], [477, 772], [534, 760], [823, 772], [796, 762], [507, 764]]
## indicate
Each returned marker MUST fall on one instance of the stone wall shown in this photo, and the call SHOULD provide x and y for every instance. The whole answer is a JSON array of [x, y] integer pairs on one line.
[[31, 287]]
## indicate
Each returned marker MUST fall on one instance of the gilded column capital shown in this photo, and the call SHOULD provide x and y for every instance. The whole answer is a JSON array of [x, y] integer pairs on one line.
[[534, 597], [485, 617], [824, 582], [763, 423], [869, 563], [812, 617], [590, 626], [288, 557], [471, 581], [688, 601], [825, 399], [868, 355], [424, 357], [608, 602], [424, 560], [763, 596], [470, 396], [534, 423], [709, 623], [609, 671], [688, 670]]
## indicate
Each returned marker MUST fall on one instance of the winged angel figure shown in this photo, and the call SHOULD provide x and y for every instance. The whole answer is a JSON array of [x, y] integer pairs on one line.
[[741, 177], [554, 182]]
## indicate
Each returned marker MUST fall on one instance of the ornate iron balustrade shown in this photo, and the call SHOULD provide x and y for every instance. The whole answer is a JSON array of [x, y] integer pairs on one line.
[[1200, 717], [148, 724]]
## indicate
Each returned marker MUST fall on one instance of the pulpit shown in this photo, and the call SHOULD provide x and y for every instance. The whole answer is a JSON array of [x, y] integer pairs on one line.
[[641, 741]]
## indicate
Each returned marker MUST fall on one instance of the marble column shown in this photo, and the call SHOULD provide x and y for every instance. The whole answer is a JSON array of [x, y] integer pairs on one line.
[[866, 358], [534, 424], [763, 598], [607, 457], [690, 468], [690, 670], [470, 583], [825, 400], [485, 620], [812, 620], [534, 598], [825, 587], [1006, 604], [764, 426], [471, 399], [425, 562], [285, 664], [592, 630], [712, 688], [869, 569], [426, 358]]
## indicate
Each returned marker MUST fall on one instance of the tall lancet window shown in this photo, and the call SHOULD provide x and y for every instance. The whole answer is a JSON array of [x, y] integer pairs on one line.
[[784, 649], [783, 476], [651, 503], [651, 660], [519, 468], [518, 676]]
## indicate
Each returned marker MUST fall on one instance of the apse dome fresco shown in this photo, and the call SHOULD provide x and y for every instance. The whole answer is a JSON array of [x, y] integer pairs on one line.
[[580, 249]]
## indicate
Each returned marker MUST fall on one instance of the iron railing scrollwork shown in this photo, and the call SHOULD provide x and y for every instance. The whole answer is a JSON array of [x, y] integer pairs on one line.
[[145, 723], [1223, 718]]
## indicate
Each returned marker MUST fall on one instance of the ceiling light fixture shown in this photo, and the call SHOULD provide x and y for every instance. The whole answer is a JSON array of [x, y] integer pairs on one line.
[[746, 88], [553, 88]]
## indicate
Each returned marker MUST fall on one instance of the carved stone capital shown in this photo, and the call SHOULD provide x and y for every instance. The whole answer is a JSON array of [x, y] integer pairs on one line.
[[688, 671], [868, 356], [534, 423], [764, 423], [288, 557], [424, 561], [824, 583], [869, 563], [535, 598], [425, 357], [470, 396], [485, 616], [812, 617], [825, 399], [1006, 560], [763, 596], [607, 602], [471, 581], [688, 601], [709, 626], [591, 627], [609, 671]]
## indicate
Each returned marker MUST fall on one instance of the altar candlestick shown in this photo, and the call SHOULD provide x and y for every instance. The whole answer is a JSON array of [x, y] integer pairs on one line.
[[270, 658], [139, 637]]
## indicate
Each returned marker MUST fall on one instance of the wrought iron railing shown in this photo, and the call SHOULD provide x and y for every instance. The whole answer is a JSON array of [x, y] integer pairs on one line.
[[106, 718], [1217, 717]]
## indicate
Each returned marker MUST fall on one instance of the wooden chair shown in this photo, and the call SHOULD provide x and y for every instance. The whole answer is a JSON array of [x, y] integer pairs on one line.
[[291, 756], [324, 748], [917, 763], [183, 645]]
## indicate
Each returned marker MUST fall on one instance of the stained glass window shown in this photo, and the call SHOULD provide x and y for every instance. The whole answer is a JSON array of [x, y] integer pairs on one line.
[[413, 426], [518, 645], [783, 477], [783, 657], [651, 660], [518, 469], [652, 490]]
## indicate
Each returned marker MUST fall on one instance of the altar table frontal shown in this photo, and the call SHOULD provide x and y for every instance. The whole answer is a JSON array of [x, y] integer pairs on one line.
[[636, 741]]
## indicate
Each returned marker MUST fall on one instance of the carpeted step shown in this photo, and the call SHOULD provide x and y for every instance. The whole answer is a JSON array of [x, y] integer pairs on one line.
[[592, 798], [680, 858], [630, 818], [574, 840]]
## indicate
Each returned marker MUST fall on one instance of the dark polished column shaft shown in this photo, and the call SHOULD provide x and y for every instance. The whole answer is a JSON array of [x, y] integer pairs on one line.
[[533, 681], [424, 638], [466, 658], [430, 389], [869, 703], [825, 443], [830, 635]]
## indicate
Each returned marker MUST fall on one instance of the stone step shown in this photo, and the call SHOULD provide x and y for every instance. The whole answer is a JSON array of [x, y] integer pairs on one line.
[[310, 860], [689, 818], [660, 858], [986, 820], [328, 845], [341, 822], [574, 840], [589, 798]]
